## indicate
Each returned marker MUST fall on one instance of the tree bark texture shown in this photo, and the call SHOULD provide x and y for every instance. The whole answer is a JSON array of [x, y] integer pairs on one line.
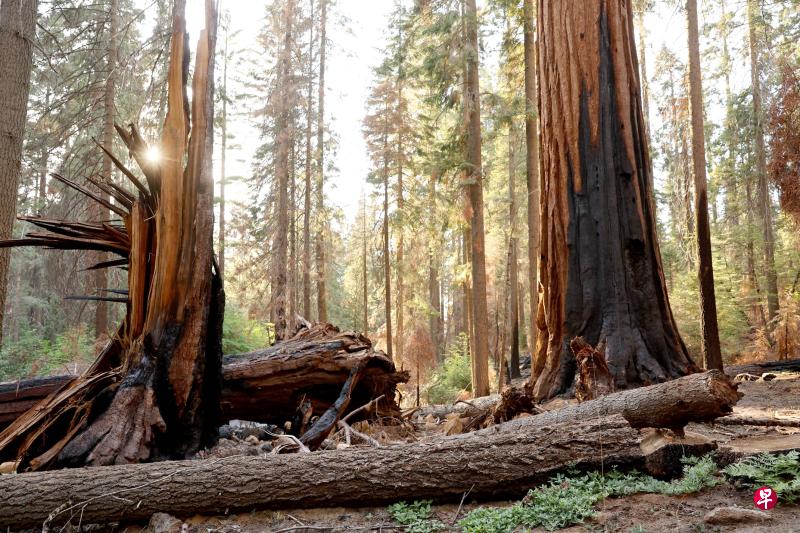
[[712, 354], [17, 33], [280, 289], [442, 469], [513, 278], [480, 311], [267, 385], [532, 168], [600, 264], [764, 201], [322, 296], [102, 214], [308, 172]]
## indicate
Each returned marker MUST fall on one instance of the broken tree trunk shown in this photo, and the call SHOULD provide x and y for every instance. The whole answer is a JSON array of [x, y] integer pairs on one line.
[[268, 385], [153, 392], [442, 469]]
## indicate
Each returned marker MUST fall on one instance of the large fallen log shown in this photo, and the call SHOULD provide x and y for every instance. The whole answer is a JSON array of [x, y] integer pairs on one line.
[[489, 464], [268, 385], [694, 398]]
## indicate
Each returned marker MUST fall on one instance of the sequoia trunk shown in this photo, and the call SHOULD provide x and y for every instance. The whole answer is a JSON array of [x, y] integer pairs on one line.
[[600, 265]]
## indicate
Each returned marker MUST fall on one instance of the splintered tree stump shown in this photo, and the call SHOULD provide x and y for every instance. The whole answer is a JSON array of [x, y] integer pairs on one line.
[[442, 470], [154, 391]]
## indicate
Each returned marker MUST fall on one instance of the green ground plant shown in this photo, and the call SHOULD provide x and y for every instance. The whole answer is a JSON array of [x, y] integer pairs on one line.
[[416, 517], [780, 472]]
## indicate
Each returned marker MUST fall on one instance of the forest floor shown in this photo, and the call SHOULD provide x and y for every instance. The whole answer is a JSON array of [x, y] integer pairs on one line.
[[635, 514]]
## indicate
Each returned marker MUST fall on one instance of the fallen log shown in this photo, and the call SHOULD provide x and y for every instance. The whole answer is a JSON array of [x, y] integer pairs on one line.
[[489, 463], [699, 397], [268, 385], [788, 365]]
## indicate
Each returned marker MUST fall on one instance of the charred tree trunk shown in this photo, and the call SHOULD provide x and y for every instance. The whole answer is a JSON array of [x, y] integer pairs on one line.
[[712, 355], [17, 34], [600, 264], [442, 470], [223, 155], [153, 392]]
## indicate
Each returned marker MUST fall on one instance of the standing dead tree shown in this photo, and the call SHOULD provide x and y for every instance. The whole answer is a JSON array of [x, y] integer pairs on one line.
[[153, 391]]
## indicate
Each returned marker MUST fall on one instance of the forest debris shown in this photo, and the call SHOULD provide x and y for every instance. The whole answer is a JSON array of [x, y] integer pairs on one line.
[[593, 378]]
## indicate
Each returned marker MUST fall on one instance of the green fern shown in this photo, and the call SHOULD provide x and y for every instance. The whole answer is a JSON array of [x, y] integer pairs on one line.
[[781, 472]]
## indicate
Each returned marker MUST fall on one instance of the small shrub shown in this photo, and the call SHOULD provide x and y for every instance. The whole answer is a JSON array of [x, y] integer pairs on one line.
[[242, 334], [416, 517], [449, 380]]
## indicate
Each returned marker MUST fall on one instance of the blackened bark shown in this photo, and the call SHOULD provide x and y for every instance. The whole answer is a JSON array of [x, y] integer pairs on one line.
[[600, 263]]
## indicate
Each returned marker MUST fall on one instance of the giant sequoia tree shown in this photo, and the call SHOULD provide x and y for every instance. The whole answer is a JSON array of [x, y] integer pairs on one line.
[[600, 264], [153, 391]]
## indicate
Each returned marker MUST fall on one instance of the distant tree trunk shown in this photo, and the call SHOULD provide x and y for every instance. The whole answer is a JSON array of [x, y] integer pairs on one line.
[[532, 169], [284, 142], [308, 172], [292, 235], [434, 296], [642, 30], [600, 264], [513, 295], [223, 154], [17, 33], [364, 273], [387, 264], [712, 356], [101, 214], [322, 297], [731, 178], [480, 312], [764, 201], [400, 205]]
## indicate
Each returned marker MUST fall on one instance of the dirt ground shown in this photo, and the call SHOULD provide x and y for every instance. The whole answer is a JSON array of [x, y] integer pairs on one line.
[[779, 398]]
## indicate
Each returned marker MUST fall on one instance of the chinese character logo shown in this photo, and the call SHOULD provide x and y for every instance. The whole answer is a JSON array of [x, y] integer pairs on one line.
[[765, 498]]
